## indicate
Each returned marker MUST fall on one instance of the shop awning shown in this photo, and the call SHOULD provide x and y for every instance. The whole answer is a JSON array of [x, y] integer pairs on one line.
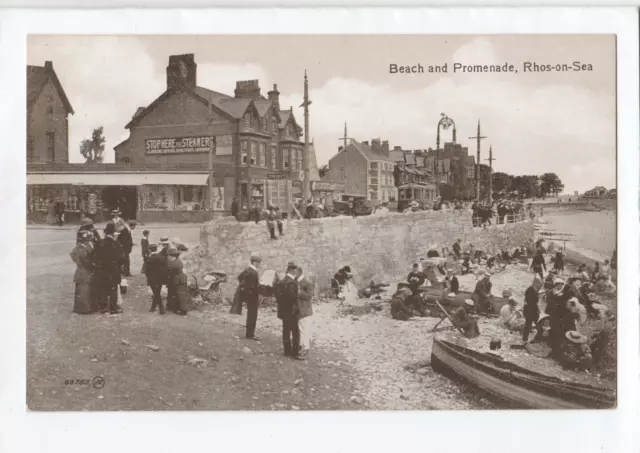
[[119, 179]]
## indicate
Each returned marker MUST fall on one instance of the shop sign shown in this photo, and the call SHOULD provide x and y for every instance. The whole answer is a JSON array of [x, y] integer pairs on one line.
[[277, 175], [258, 181], [223, 145], [322, 186], [296, 184]]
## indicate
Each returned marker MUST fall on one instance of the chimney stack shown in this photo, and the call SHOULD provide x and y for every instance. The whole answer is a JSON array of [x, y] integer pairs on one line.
[[385, 148], [181, 71], [247, 89], [274, 96], [48, 65]]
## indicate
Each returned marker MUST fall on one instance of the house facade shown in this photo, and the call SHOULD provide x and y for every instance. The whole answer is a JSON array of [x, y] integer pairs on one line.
[[367, 171], [161, 171]]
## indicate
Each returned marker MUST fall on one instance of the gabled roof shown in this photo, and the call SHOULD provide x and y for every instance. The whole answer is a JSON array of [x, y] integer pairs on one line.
[[37, 77], [397, 155], [369, 153], [284, 118], [140, 114], [263, 106], [230, 105]]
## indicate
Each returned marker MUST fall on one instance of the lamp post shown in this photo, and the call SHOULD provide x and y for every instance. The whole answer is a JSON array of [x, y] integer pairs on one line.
[[444, 124]]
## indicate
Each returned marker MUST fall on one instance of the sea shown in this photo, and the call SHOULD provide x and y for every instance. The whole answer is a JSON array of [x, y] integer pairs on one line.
[[593, 232]]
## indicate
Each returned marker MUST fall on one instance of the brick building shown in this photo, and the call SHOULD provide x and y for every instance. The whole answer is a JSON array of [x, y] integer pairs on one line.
[[161, 171], [48, 110], [455, 169], [367, 171], [257, 154]]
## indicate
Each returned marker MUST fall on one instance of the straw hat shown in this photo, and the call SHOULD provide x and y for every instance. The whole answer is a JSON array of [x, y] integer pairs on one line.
[[87, 221], [542, 317], [576, 337], [558, 281], [469, 302]]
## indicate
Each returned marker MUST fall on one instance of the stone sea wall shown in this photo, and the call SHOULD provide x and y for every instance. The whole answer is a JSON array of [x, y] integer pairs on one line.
[[377, 248]]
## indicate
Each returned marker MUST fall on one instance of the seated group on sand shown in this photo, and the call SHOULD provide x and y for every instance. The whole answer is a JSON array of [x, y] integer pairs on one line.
[[557, 329]]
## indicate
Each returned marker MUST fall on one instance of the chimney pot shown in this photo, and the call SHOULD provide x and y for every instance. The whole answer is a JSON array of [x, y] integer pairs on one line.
[[48, 65]]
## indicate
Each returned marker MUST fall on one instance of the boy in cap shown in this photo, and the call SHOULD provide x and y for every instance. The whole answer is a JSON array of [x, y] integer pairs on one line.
[[482, 293], [531, 310], [288, 312]]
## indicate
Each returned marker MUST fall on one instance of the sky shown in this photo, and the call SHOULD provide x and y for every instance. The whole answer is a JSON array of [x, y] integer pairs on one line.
[[536, 122]]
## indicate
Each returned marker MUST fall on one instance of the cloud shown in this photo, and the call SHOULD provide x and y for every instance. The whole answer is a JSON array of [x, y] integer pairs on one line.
[[551, 128], [533, 128]]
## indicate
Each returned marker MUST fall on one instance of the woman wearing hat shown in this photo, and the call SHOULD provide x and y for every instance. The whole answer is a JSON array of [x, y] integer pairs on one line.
[[462, 319], [88, 226], [576, 353], [81, 254], [178, 296]]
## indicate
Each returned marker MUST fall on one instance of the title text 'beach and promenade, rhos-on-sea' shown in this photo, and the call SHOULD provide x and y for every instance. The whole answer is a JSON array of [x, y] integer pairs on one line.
[[462, 68]]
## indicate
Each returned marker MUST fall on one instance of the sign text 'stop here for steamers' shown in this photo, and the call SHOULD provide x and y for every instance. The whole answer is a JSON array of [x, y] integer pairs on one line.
[[178, 145]]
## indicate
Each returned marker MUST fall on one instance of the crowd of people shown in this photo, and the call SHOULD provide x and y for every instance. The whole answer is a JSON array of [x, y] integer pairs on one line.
[[103, 264], [567, 303]]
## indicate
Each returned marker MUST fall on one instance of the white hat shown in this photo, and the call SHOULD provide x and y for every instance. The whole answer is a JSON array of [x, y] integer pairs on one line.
[[558, 281], [576, 337], [469, 302]]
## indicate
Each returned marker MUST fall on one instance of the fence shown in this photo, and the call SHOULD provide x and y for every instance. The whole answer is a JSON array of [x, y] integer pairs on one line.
[[522, 216]]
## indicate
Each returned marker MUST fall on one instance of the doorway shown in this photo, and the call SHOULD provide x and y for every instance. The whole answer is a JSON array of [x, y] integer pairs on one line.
[[124, 198]]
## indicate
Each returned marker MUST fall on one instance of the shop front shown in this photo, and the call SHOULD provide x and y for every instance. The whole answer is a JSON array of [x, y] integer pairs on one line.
[[144, 196], [327, 192]]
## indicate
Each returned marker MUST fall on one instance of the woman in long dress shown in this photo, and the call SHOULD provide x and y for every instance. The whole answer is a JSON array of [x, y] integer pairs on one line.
[[178, 296], [81, 254]]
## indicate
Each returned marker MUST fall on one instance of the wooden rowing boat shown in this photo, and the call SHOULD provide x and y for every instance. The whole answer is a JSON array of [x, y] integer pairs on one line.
[[431, 294], [514, 386]]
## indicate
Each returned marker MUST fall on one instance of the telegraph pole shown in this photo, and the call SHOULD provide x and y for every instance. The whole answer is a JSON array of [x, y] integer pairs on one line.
[[212, 150], [478, 137], [490, 159], [306, 184], [344, 140]]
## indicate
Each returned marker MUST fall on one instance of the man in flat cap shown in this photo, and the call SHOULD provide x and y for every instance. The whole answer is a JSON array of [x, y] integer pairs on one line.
[[248, 286]]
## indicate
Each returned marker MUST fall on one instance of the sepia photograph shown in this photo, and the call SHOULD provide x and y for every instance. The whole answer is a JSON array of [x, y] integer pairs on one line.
[[321, 222]]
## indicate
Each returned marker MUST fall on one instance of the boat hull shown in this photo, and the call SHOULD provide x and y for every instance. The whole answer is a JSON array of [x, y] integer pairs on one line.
[[514, 386]]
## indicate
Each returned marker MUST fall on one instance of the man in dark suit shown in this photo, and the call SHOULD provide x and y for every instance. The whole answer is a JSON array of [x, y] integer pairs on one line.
[[248, 286], [109, 260], [288, 311], [126, 241], [457, 249], [156, 271]]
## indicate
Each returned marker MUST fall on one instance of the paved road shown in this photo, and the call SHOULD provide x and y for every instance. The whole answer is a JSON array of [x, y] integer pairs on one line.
[[48, 249]]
